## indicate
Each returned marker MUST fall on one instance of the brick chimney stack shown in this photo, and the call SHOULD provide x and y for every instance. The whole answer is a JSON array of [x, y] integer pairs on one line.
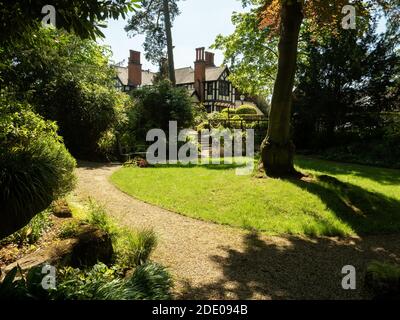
[[200, 72], [134, 69], [210, 59]]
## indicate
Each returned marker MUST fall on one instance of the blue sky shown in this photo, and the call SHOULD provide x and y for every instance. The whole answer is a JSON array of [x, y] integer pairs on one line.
[[198, 25]]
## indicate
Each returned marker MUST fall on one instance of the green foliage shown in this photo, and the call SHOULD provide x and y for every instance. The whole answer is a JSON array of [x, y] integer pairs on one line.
[[154, 107], [346, 81], [81, 17], [253, 59], [246, 110], [151, 282], [70, 81], [229, 111], [19, 286], [384, 279], [148, 282], [35, 167], [368, 153], [99, 218], [131, 247], [69, 230], [134, 248], [32, 232]]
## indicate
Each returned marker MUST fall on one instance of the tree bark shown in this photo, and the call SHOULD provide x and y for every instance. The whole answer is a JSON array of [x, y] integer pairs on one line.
[[170, 47], [277, 150]]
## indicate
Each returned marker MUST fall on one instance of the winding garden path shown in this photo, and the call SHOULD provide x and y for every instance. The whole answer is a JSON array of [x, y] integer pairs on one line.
[[210, 261]]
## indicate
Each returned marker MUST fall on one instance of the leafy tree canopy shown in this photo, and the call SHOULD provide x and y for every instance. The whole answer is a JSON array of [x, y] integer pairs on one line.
[[68, 80], [253, 59], [83, 17]]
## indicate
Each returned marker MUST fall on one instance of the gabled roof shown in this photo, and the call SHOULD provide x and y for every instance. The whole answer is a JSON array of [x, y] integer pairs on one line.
[[214, 73], [147, 77], [122, 74], [184, 75]]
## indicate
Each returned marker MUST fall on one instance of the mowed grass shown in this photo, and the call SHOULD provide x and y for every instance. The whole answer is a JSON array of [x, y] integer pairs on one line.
[[341, 199]]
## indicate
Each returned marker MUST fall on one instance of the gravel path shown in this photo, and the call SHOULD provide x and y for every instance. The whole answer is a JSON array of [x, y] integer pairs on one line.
[[210, 261]]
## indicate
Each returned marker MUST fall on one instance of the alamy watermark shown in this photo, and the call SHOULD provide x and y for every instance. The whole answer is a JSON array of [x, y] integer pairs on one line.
[[349, 281], [49, 20], [216, 146], [49, 278], [349, 20]]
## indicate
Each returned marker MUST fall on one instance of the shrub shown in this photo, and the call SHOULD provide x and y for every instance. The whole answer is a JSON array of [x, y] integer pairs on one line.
[[247, 110], [68, 80], [134, 248], [69, 230], [86, 114], [148, 282], [35, 166], [154, 107], [229, 111], [98, 218], [151, 282], [237, 117]]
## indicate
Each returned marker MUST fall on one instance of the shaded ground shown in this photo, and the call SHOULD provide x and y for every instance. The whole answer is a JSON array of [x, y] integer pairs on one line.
[[211, 261]]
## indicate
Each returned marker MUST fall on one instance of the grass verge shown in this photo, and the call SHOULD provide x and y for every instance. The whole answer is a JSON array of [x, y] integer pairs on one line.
[[341, 200]]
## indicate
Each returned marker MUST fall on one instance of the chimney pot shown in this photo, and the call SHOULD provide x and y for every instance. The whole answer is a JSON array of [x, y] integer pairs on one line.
[[210, 59]]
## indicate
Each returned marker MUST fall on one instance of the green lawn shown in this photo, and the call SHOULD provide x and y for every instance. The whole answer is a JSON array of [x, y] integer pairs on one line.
[[343, 199]]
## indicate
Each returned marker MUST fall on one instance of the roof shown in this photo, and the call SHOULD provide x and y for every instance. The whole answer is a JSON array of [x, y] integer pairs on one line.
[[186, 75], [183, 75], [147, 77], [122, 73], [214, 73]]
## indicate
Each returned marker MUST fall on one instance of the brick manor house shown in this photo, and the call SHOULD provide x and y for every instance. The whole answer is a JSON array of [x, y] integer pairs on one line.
[[206, 83]]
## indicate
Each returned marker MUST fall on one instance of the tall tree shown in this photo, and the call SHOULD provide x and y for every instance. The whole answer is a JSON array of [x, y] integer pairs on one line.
[[170, 46], [155, 22], [284, 18]]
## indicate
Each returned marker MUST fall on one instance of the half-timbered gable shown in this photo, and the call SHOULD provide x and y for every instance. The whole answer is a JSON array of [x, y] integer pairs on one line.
[[206, 83]]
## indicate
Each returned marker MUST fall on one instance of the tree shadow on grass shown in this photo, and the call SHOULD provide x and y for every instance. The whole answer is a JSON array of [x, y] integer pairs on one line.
[[293, 268], [383, 176], [364, 211]]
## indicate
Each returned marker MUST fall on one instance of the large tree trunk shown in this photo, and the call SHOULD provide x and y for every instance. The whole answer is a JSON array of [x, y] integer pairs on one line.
[[171, 63], [277, 150]]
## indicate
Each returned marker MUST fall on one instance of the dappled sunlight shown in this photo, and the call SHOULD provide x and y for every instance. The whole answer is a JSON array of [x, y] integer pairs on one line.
[[315, 205], [292, 268]]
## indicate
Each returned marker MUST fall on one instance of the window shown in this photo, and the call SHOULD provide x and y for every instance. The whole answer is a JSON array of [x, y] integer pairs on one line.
[[224, 88], [210, 88]]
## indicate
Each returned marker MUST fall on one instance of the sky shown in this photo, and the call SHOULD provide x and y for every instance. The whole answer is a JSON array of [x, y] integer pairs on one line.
[[197, 26]]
